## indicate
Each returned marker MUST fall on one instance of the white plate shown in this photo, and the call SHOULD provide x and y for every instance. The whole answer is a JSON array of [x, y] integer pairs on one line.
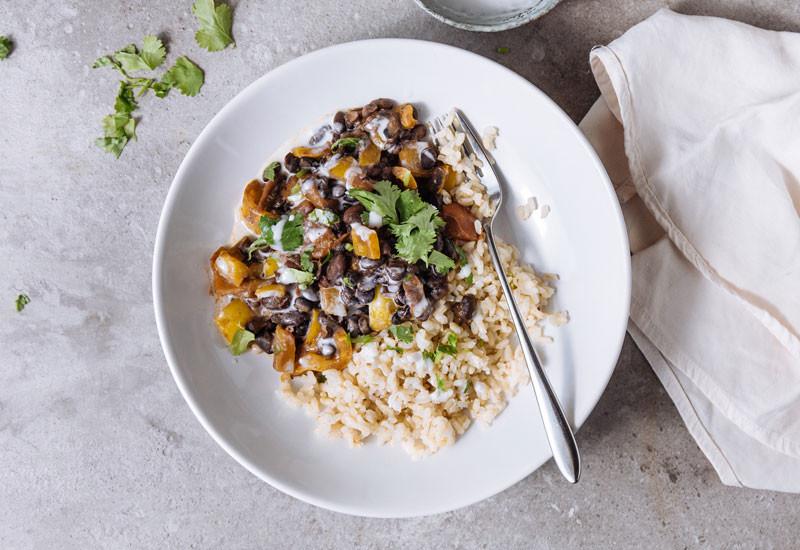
[[541, 152]]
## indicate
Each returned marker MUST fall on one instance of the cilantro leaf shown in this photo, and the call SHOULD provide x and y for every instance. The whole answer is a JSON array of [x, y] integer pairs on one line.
[[324, 217], [383, 201], [153, 51], [429, 355], [363, 339], [292, 233], [241, 340], [346, 281], [118, 129], [125, 102], [416, 235], [271, 170], [305, 261], [130, 59], [440, 384], [469, 279], [448, 347], [441, 262], [215, 22], [395, 348], [22, 301], [5, 48], [265, 239], [462, 256], [302, 278], [184, 75], [409, 204], [350, 143], [403, 333], [502, 50]]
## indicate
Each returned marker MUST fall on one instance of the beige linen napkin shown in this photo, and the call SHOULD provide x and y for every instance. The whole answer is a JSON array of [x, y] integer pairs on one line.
[[699, 128]]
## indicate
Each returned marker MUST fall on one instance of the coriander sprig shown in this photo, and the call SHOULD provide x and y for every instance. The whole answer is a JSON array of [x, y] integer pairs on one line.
[[119, 128]]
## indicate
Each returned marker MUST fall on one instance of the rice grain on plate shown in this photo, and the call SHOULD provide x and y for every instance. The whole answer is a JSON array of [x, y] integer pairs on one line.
[[393, 391]]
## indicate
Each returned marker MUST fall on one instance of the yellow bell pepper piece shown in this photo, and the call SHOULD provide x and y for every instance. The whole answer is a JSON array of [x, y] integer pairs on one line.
[[369, 155], [405, 175], [309, 152], [230, 268], [269, 268], [365, 242], [262, 291], [381, 309], [339, 170], [232, 318], [314, 328], [407, 116]]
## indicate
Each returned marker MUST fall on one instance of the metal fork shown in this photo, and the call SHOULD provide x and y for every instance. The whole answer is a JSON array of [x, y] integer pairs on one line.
[[559, 433]]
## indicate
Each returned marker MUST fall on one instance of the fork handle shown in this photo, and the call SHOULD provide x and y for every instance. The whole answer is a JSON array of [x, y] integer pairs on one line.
[[559, 434]]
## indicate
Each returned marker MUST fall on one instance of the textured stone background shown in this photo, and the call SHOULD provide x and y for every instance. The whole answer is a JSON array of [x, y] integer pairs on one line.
[[98, 449]]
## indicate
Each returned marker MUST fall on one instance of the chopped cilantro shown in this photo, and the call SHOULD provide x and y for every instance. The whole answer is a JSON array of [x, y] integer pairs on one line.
[[466, 387], [403, 333], [292, 234], [395, 348], [302, 278], [22, 301], [346, 143], [409, 203], [502, 50], [322, 216], [265, 239], [5, 46], [449, 346], [348, 247], [469, 279], [429, 355], [440, 384], [305, 261], [327, 258], [363, 339], [241, 340], [462, 256], [215, 22], [118, 129], [271, 170], [347, 282], [383, 201], [441, 262], [303, 172]]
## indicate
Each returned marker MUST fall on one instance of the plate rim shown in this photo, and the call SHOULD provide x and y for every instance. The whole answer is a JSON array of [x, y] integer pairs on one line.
[[159, 253]]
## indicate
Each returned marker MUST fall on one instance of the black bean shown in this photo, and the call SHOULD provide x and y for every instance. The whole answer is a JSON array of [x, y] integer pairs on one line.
[[464, 310], [367, 264], [384, 103], [336, 267], [348, 296], [365, 296], [339, 118], [275, 302], [427, 158], [395, 268], [357, 323], [394, 127], [366, 284], [338, 191], [303, 305], [353, 214], [368, 109], [289, 318], [375, 171], [292, 162], [402, 315], [437, 289], [265, 342], [258, 325], [419, 132], [328, 323], [352, 116], [319, 134]]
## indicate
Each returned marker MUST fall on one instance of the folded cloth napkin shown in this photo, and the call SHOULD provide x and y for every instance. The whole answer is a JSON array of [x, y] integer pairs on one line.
[[699, 128]]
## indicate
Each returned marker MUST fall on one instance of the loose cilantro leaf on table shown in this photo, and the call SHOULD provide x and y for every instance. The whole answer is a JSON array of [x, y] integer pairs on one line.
[[382, 201], [215, 22], [241, 340], [185, 75], [5, 46], [503, 50], [22, 301], [403, 333], [118, 129], [271, 170]]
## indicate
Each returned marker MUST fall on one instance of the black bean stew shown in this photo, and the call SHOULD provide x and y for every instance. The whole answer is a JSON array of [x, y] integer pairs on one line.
[[349, 237]]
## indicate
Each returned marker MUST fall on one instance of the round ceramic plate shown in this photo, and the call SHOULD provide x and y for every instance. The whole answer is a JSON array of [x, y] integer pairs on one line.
[[541, 153]]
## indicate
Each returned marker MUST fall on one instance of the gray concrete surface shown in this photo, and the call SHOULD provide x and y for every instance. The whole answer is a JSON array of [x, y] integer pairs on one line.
[[97, 447]]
